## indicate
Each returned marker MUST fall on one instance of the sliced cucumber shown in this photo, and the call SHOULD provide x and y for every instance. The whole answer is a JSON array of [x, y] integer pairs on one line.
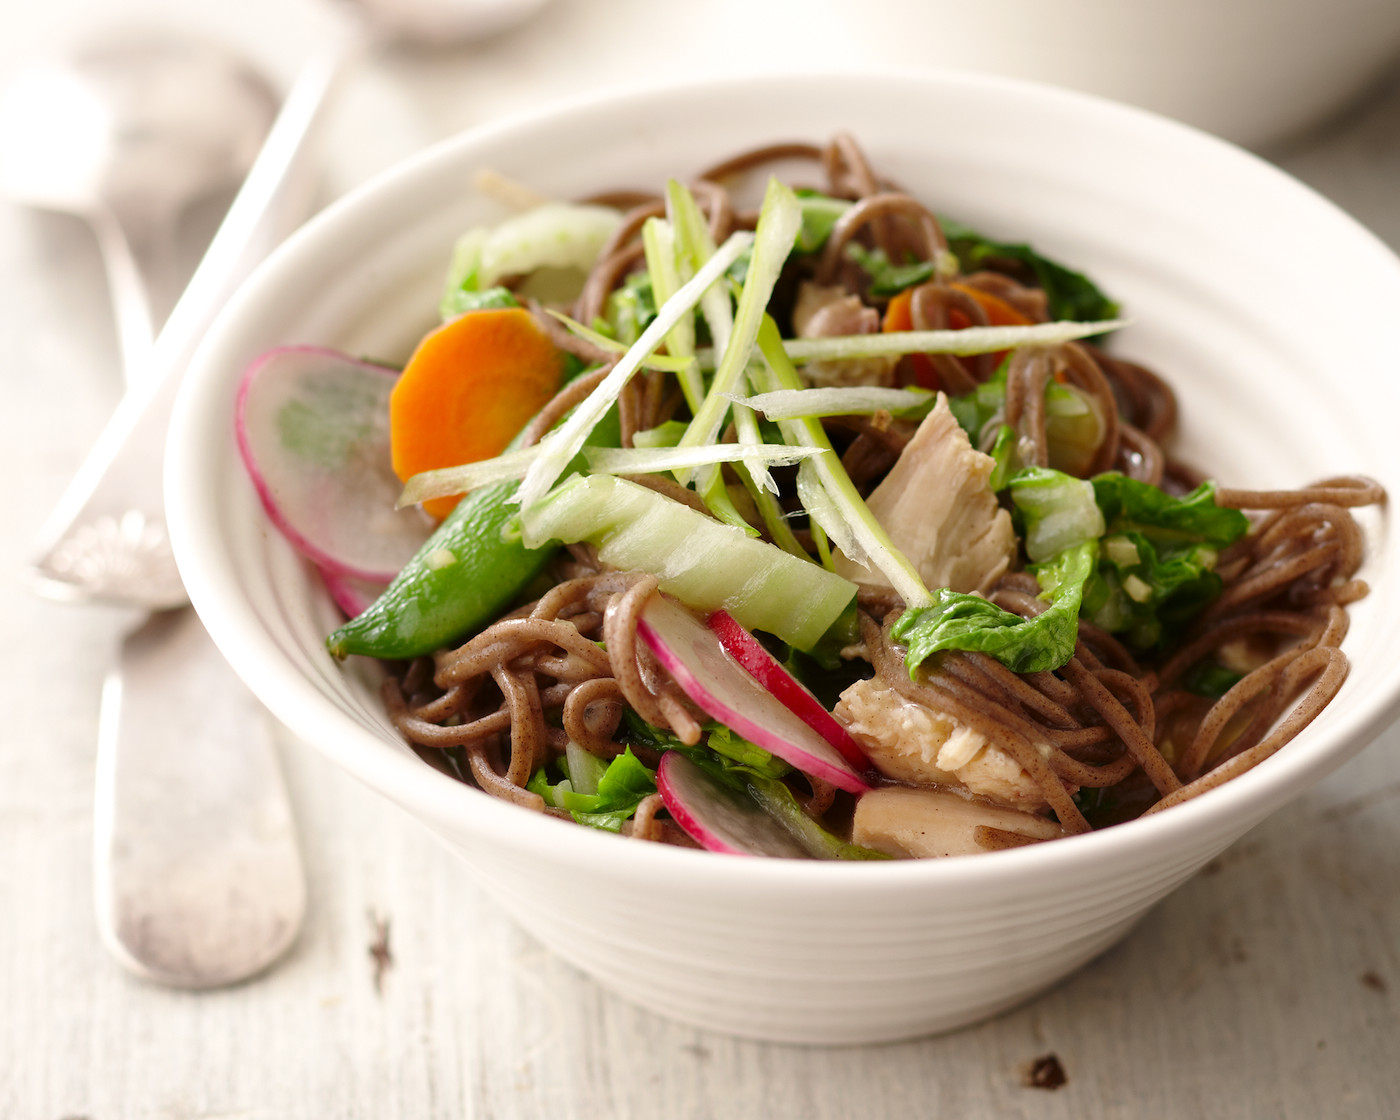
[[704, 564]]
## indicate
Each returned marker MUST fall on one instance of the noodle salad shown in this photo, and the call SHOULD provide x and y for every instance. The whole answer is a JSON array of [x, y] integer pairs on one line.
[[828, 530]]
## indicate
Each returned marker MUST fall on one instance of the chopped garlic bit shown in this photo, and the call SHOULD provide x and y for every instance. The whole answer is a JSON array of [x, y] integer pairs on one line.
[[1138, 589], [1121, 550], [440, 558]]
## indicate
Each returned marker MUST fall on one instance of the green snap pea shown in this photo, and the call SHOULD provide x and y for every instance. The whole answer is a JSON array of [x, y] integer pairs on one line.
[[465, 576]]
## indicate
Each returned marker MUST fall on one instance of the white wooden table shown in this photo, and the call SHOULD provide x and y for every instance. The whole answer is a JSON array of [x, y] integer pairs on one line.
[[1269, 986]]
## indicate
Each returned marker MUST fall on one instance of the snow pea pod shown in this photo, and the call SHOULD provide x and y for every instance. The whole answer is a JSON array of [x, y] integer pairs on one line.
[[465, 575]]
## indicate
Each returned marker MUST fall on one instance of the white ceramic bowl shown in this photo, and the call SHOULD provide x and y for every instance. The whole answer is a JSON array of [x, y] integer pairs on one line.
[[1253, 71], [1265, 306]]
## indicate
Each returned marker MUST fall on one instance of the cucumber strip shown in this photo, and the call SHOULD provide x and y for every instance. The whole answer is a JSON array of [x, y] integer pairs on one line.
[[778, 222], [761, 487], [690, 248], [565, 442], [444, 482], [642, 460], [847, 515], [972, 340], [695, 246], [703, 563], [450, 481], [666, 434], [659, 241], [797, 404], [652, 361]]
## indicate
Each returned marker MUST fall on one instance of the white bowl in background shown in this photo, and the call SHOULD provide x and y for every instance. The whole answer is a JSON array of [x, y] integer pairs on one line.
[[1261, 302], [1252, 71]]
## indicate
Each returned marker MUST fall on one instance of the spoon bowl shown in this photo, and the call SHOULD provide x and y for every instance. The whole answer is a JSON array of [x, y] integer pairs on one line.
[[129, 132]]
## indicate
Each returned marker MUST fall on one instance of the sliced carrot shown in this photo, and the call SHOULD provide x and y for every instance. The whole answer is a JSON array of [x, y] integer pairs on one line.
[[899, 317], [999, 312], [471, 385]]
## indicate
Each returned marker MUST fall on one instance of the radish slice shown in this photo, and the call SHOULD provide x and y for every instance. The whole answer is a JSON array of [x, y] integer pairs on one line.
[[691, 652], [350, 594], [718, 818], [748, 651], [313, 430]]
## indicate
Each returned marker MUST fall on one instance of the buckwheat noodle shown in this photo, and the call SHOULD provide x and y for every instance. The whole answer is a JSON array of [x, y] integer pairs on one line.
[[564, 666]]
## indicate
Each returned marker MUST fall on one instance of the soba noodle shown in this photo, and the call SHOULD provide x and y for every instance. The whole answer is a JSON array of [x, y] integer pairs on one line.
[[567, 666]]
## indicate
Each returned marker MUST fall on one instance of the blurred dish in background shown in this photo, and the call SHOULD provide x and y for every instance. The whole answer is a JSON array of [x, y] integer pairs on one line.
[[1252, 71]]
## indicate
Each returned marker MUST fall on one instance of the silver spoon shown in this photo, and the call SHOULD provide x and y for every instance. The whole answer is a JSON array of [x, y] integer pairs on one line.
[[196, 883], [198, 873], [129, 133]]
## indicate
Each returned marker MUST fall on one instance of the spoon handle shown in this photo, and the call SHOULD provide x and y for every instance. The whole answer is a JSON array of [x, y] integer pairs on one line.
[[106, 539], [131, 301], [198, 872]]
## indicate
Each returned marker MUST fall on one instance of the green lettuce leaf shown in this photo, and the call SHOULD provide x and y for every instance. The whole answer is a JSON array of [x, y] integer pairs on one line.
[[620, 788], [1072, 426], [886, 277], [1069, 294], [1057, 511], [1157, 562], [820, 212], [1024, 645], [1003, 455], [1194, 518], [975, 410], [1210, 679], [719, 738], [457, 301], [631, 308]]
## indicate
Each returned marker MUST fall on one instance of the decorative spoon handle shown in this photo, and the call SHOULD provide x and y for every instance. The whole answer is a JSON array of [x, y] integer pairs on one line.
[[198, 872]]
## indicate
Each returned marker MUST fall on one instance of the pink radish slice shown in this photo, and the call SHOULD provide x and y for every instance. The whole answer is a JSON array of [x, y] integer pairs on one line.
[[748, 651], [350, 594], [313, 430], [691, 652], [718, 818]]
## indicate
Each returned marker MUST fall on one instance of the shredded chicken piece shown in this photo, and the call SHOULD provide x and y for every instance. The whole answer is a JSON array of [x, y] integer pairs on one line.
[[940, 511], [829, 311], [931, 823], [910, 742]]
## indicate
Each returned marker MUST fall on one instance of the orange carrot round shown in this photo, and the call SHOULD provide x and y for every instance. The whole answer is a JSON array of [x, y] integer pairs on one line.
[[899, 317], [471, 385], [999, 312]]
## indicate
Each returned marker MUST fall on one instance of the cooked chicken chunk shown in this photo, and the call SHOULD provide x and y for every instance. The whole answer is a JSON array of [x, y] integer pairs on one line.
[[910, 742], [929, 823], [939, 510], [828, 312]]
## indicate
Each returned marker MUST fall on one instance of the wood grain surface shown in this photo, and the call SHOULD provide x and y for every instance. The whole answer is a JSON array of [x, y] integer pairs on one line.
[[1268, 986]]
